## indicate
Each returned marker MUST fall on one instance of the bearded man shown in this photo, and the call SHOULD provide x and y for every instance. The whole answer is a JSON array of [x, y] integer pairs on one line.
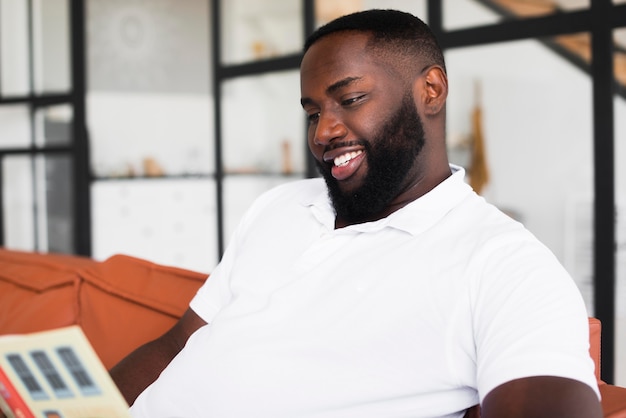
[[386, 289]]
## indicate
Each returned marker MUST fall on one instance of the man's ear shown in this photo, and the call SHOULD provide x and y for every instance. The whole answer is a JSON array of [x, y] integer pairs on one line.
[[431, 88]]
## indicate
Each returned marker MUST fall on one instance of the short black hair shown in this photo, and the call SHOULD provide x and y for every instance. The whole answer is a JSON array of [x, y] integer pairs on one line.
[[395, 31]]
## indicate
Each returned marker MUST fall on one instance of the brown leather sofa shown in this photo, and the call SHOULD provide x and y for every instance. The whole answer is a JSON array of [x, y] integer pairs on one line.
[[613, 397], [120, 303], [123, 302]]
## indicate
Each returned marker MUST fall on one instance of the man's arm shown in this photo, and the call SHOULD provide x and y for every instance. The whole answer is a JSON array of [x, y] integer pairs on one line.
[[542, 397], [141, 367]]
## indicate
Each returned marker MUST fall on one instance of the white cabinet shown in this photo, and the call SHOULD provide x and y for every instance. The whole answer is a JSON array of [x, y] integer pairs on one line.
[[168, 221]]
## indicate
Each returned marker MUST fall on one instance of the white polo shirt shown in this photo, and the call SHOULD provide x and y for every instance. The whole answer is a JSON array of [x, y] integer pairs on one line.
[[419, 314]]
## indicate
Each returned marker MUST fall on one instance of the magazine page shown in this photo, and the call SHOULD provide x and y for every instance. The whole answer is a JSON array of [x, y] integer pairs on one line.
[[56, 374]]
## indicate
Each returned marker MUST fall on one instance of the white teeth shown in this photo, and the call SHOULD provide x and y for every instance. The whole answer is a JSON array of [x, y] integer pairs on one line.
[[343, 159]]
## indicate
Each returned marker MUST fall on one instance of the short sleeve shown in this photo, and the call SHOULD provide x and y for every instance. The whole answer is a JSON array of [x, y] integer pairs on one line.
[[529, 318]]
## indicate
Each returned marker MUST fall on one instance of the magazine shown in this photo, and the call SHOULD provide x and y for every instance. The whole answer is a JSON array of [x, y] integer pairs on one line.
[[56, 374]]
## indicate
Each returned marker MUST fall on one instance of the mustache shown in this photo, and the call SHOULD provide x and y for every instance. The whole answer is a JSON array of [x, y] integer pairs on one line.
[[340, 144]]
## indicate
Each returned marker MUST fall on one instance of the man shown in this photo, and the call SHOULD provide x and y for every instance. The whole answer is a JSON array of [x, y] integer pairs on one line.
[[388, 289]]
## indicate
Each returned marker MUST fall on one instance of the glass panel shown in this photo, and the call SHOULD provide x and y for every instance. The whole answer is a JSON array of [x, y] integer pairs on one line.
[[327, 10], [620, 193], [537, 116], [169, 221], [263, 124], [150, 134], [54, 125], [239, 193], [149, 108], [253, 30], [15, 127], [51, 41], [14, 48], [18, 199], [459, 14], [154, 46], [56, 203]]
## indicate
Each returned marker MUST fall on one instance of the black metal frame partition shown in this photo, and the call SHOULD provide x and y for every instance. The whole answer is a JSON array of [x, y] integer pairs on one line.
[[599, 20], [78, 148]]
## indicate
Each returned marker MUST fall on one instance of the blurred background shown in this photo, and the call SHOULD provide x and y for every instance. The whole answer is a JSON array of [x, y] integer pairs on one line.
[[147, 127]]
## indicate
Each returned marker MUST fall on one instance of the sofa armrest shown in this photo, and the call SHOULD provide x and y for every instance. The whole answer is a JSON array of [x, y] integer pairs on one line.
[[595, 332]]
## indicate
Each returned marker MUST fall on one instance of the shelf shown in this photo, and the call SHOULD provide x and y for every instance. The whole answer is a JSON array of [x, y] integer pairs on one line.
[[168, 177], [294, 175]]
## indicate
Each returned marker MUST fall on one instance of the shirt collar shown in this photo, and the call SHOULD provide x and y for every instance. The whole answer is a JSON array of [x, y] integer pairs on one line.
[[414, 218]]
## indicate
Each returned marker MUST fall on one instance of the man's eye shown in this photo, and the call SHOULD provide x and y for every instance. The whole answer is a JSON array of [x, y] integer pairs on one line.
[[351, 100], [313, 117]]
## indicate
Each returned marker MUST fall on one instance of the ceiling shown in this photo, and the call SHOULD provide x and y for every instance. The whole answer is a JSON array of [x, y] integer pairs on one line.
[[578, 45], [540, 7]]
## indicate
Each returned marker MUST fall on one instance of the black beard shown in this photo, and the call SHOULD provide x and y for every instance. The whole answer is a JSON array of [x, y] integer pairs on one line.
[[389, 161]]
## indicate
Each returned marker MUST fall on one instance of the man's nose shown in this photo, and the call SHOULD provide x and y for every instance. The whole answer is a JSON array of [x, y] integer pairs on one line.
[[329, 128]]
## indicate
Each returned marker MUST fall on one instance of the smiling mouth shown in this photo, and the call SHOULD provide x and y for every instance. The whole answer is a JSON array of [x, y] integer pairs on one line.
[[344, 159]]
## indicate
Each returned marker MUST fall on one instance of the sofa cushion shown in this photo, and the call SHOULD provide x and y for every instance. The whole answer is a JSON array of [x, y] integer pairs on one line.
[[132, 301], [38, 291], [145, 283], [119, 303], [613, 401]]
